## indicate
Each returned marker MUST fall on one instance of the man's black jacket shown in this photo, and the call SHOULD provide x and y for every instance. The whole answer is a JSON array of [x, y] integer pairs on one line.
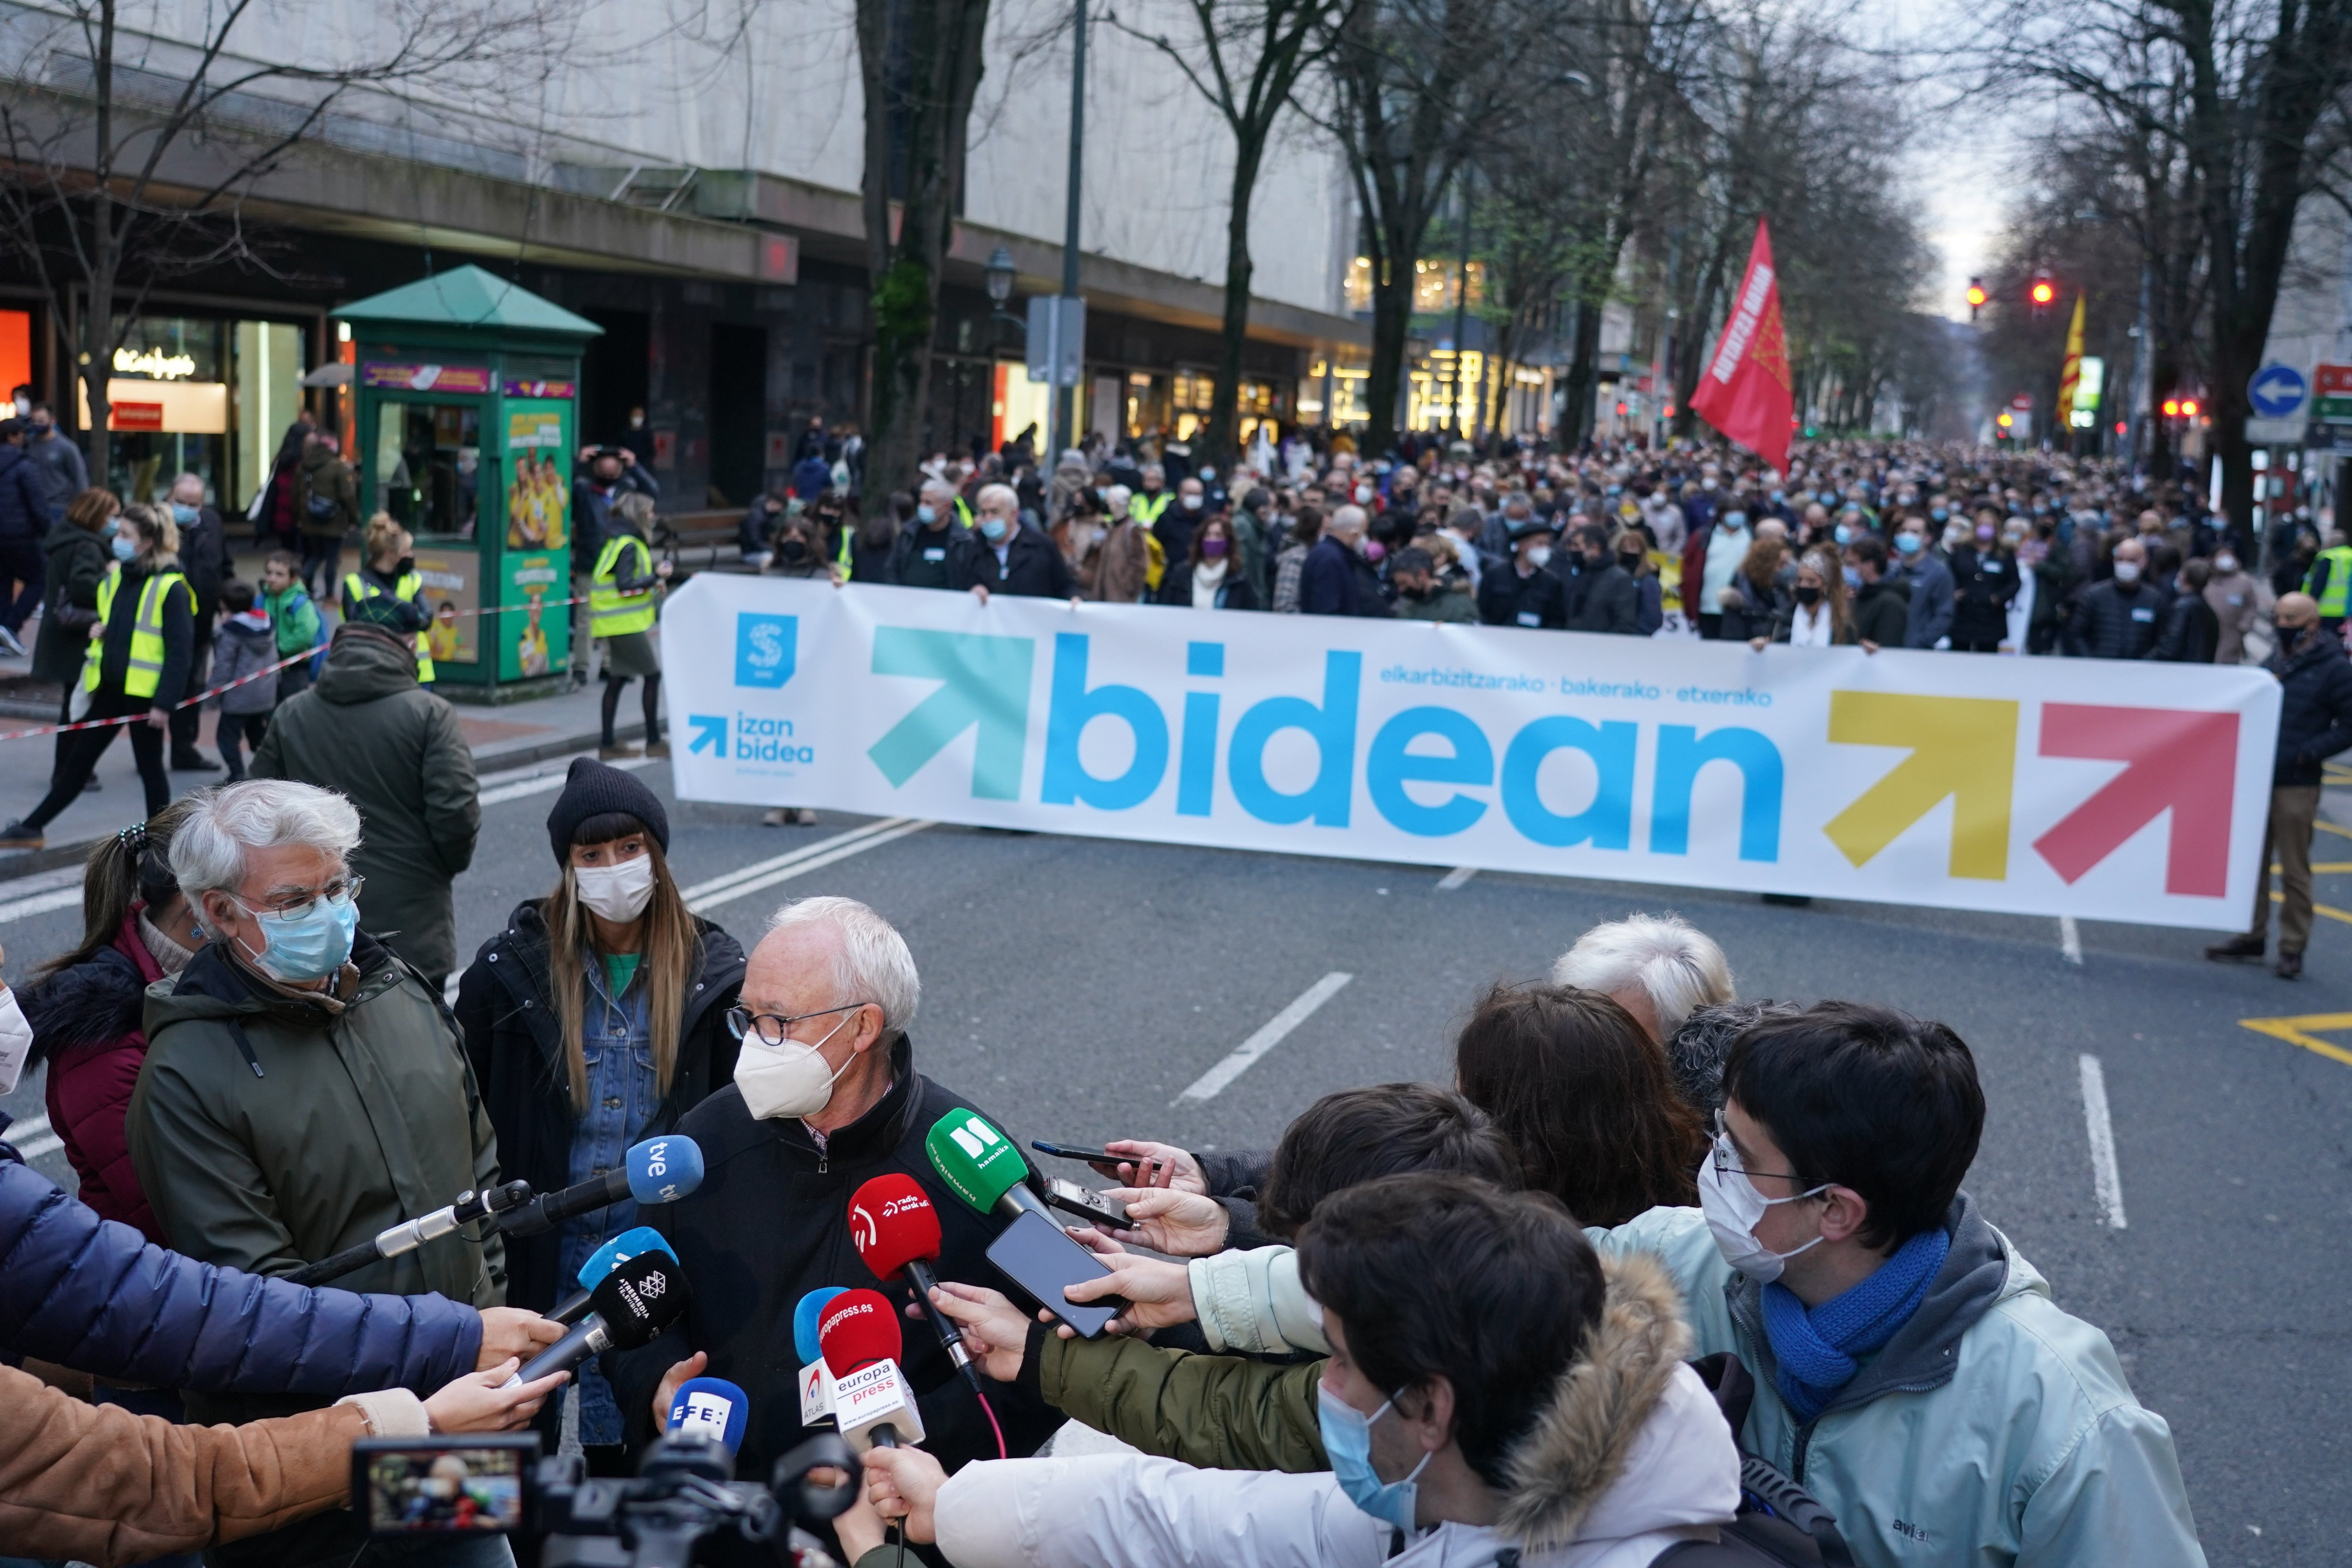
[[769, 1224], [2315, 709], [1032, 565]]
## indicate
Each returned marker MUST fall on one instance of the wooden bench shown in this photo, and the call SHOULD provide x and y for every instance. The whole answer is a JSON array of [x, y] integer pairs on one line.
[[711, 536]]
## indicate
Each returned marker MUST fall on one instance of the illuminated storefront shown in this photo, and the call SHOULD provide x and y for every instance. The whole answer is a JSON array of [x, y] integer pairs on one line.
[[210, 396]]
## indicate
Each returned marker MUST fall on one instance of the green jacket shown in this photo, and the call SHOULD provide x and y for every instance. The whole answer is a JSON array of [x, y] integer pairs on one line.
[[394, 749], [1453, 605], [1218, 1412], [1993, 1430], [292, 617]]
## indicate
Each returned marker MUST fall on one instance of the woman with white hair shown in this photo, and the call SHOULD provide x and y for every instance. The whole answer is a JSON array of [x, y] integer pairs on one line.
[[1656, 967]]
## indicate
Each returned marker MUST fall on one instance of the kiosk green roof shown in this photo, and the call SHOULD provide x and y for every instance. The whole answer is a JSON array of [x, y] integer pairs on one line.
[[469, 297]]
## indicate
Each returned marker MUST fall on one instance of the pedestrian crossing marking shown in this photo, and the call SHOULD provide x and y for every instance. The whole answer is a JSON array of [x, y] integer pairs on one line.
[[2301, 1031], [2328, 910]]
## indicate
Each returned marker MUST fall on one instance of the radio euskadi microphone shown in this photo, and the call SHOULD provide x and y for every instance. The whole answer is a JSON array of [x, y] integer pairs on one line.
[[860, 1337], [710, 1407], [816, 1380], [895, 1230], [602, 1261], [630, 1306], [658, 1170]]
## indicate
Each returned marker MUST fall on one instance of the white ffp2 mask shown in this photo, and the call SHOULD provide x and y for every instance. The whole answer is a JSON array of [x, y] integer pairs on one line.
[[15, 1042], [618, 893], [1732, 1207], [787, 1080]]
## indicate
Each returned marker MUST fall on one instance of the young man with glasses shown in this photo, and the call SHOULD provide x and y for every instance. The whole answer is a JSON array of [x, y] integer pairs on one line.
[[825, 1097]]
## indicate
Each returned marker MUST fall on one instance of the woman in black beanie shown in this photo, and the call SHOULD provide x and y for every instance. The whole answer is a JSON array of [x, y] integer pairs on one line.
[[595, 1020]]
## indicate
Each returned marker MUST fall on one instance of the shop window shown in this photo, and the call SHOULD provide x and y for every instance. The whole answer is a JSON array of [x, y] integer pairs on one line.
[[428, 458], [16, 349]]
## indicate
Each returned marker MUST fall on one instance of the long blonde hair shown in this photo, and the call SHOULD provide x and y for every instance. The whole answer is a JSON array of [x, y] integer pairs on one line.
[[670, 957]]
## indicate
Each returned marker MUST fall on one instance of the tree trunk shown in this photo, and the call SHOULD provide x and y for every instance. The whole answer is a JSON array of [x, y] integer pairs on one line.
[[1221, 443], [1583, 377], [1391, 326]]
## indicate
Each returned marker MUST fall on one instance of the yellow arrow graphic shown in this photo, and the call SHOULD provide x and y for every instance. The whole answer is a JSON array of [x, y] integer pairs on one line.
[[1962, 747]]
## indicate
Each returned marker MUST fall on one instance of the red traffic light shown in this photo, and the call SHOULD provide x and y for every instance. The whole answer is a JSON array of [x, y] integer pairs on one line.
[[2045, 291], [2171, 408], [2188, 407]]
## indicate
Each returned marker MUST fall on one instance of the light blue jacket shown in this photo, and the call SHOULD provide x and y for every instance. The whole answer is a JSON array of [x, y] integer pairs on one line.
[[1993, 1430]]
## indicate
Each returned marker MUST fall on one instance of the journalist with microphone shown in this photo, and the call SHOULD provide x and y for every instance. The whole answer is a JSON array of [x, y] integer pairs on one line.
[[825, 1097], [594, 1021]]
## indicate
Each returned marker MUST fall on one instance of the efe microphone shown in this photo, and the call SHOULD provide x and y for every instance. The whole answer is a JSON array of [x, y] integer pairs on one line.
[[710, 1407], [631, 1305], [602, 1261], [895, 1229], [860, 1337], [658, 1170]]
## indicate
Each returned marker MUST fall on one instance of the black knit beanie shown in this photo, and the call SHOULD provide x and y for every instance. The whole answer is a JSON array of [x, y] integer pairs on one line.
[[592, 790]]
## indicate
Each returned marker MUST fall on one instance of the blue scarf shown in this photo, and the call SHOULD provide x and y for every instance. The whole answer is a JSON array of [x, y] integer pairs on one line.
[[1816, 1346]]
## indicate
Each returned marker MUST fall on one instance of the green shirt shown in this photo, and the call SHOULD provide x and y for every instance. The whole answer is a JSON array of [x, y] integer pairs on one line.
[[620, 968]]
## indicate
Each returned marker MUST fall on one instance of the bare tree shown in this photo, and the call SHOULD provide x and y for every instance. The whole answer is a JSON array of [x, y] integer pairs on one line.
[[119, 176]]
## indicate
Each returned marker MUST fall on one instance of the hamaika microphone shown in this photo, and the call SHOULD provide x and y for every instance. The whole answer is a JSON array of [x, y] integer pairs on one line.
[[629, 1307], [816, 1380], [602, 1261], [710, 1407], [860, 1336], [411, 1234], [896, 1231], [981, 1167], [658, 1170]]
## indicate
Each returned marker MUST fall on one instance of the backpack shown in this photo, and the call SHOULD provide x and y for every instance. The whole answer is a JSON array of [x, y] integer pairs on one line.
[[1780, 1524]]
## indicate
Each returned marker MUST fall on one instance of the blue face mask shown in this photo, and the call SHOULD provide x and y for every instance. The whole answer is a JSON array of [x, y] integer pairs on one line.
[[310, 945], [124, 550], [1842, 534], [182, 513], [1907, 544], [994, 527], [1853, 580], [927, 513], [1939, 513], [1347, 1440]]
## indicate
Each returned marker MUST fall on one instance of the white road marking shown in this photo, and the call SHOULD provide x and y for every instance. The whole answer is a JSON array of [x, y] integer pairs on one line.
[[2105, 1180], [33, 1137], [40, 893], [735, 884], [1208, 1083], [2070, 941], [1455, 878], [542, 776]]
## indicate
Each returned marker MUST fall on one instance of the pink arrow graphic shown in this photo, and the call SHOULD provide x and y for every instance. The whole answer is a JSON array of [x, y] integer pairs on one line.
[[2182, 761]]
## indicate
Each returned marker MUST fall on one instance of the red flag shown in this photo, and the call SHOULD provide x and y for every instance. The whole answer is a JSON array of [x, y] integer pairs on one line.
[[1744, 391]]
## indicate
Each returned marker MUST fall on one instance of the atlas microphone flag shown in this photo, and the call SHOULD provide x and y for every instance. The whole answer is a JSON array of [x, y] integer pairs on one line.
[[1745, 391], [2071, 376]]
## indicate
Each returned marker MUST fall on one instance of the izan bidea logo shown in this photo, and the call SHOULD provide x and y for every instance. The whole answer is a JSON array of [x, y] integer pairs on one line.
[[766, 649]]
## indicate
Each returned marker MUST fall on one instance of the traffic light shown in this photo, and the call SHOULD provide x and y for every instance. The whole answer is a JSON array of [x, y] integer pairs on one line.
[[2189, 408], [1977, 297], [2172, 408], [2043, 293], [2003, 420]]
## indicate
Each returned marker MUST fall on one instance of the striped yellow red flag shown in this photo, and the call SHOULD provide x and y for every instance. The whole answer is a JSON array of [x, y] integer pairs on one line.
[[2071, 376]]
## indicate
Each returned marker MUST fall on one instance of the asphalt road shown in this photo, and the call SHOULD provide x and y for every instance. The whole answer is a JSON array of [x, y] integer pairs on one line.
[[1075, 988]]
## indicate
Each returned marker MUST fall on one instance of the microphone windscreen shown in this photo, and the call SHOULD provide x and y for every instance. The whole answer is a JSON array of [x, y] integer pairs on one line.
[[804, 1322], [979, 1164], [619, 1250], [892, 1224], [710, 1407], [640, 1298], [859, 1328], [663, 1170]]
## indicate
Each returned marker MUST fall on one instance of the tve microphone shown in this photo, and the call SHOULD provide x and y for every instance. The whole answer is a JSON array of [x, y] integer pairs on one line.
[[860, 1336], [710, 1407], [981, 1167], [411, 1234], [817, 1382], [632, 1304], [658, 1170], [895, 1230], [602, 1261]]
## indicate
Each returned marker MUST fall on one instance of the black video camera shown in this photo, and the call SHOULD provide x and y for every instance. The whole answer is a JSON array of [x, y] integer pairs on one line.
[[684, 1489]]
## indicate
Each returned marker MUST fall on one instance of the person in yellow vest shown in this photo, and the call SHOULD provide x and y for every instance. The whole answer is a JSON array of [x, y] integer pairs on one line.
[[2329, 581], [387, 592], [624, 594], [140, 654]]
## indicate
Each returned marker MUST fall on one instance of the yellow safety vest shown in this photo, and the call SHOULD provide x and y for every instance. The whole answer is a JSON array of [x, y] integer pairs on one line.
[[1146, 509], [611, 612], [963, 512], [407, 588], [841, 555], [145, 671], [2339, 580]]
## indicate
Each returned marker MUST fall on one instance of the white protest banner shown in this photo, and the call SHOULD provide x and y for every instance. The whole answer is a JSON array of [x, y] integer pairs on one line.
[[2103, 790]]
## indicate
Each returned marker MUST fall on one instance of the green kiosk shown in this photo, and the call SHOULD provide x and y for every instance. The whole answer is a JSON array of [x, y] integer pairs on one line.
[[467, 391]]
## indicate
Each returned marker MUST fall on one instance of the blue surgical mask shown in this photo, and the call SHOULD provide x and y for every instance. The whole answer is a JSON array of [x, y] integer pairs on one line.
[[927, 513], [1907, 544], [113, 527], [1853, 580], [310, 945], [1842, 534], [182, 513], [1347, 1440], [124, 548], [994, 527], [1939, 513]]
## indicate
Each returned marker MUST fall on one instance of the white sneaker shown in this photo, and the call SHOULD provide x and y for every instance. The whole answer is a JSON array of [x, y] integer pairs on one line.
[[9, 644]]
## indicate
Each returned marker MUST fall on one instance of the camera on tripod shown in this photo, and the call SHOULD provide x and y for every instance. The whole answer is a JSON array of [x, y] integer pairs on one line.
[[685, 1489]]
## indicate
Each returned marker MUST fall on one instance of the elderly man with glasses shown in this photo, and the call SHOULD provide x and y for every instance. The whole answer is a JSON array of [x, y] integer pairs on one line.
[[304, 1091], [826, 1098]]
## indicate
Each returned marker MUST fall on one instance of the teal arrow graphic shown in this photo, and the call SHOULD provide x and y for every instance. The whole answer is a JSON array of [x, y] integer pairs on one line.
[[709, 733], [986, 683]]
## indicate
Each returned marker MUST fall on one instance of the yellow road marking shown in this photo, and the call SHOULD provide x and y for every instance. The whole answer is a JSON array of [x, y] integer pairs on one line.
[[2297, 1031], [2328, 827], [2324, 866], [2332, 913]]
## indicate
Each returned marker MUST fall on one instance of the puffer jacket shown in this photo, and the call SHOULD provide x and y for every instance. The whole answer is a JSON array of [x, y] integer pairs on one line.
[[91, 1294], [2315, 709], [1629, 1460], [86, 1027], [77, 562], [1993, 1422], [329, 477]]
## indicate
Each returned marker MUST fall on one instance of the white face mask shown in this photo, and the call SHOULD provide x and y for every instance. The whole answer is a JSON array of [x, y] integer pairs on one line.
[[618, 893], [787, 1080], [2127, 572], [1539, 557], [15, 1043], [1733, 1206]]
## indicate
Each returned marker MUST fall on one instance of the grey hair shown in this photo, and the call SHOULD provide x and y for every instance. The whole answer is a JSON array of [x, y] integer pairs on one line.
[[1007, 491], [1674, 963], [209, 850], [871, 960], [1348, 520]]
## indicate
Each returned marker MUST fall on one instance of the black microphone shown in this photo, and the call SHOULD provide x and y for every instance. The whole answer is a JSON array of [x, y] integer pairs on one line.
[[631, 1305], [411, 1234], [657, 1170]]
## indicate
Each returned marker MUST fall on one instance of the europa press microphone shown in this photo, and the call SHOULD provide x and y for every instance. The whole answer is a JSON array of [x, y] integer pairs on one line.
[[895, 1230], [411, 1234], [630, 1305], [860, 1337], [657, 1170], [602, 1261], [816, 1380], [981, 1167], [710, 1407]]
